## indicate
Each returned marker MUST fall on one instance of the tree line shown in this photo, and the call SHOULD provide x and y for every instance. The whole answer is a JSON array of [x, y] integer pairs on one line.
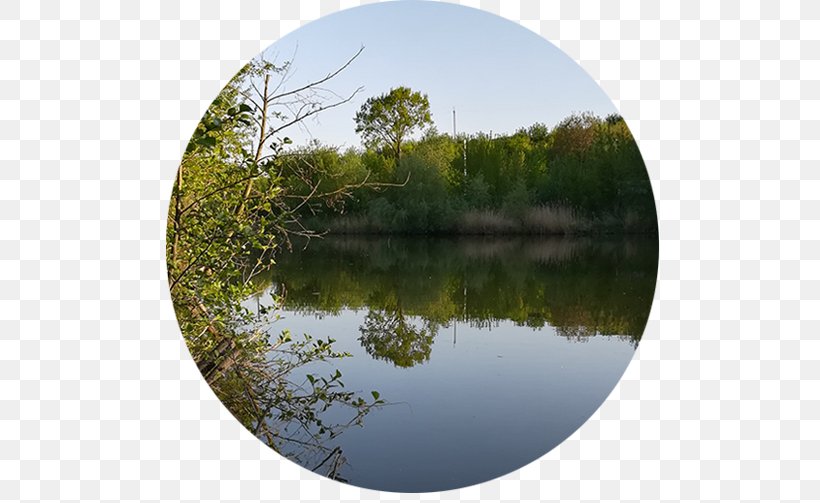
[[584, 175]]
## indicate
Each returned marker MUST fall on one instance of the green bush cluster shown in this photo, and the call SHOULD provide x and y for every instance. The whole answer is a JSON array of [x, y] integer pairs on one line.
[[586, 167]]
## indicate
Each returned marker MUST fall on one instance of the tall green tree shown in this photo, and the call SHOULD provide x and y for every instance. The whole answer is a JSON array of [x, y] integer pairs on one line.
[[387, 120]]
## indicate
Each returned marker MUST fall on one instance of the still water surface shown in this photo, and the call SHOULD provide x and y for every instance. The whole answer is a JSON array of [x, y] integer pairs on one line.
[[487, 352]]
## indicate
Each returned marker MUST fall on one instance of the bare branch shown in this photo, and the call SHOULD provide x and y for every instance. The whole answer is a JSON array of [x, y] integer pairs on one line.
[[322, 80], [320, 109]]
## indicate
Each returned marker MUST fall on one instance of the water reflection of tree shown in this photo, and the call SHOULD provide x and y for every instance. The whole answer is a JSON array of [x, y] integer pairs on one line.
[[579, 287], [388, 335], [583, 334]]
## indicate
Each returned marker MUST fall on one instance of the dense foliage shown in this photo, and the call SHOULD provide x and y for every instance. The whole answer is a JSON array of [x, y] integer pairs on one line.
[[585, 175], [231, 210]]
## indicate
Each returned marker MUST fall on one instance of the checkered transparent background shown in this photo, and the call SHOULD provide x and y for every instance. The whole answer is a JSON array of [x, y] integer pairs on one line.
[[99, 399]]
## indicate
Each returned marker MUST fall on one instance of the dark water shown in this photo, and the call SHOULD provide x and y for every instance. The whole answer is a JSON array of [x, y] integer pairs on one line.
[[487, 352]]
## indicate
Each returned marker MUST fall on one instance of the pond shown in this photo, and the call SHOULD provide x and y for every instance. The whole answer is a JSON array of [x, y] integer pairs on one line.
[[487, 352]]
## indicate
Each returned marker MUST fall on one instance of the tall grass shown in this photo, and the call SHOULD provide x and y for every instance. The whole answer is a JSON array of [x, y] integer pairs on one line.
[[538, 220], [485, 222], [543, 220], [554, 220]]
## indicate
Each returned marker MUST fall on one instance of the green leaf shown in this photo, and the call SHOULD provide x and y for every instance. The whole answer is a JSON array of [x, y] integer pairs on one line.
[[208, 141], [375, 395]]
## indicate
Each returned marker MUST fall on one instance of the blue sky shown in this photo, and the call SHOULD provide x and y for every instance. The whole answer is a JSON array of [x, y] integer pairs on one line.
[[497, 74]]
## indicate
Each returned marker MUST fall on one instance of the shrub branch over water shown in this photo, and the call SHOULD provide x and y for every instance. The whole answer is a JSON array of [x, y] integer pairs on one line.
[[231, 209]]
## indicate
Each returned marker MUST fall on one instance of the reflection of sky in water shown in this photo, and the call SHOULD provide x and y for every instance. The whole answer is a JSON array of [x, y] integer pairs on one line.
[[481, 407]]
